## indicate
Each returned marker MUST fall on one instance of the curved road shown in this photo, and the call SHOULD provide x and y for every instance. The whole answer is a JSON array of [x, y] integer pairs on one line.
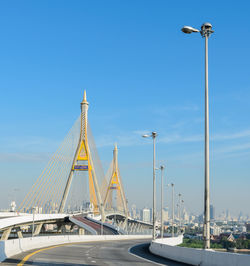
[[108, 253]]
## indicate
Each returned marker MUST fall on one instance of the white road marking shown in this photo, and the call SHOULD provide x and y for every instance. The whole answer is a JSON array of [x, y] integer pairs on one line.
[[56, 260], [80, 246], [111, 248]]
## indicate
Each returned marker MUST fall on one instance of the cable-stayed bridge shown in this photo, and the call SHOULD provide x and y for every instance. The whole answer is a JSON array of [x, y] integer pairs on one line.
[[74, 176], [74, 182]]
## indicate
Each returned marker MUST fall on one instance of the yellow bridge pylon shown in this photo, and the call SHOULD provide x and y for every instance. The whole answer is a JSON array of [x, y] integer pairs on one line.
[[115, 186], [64, 174], [83, 162]]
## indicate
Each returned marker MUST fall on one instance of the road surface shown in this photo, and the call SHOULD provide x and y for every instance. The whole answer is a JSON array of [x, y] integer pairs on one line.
[[108, 253]]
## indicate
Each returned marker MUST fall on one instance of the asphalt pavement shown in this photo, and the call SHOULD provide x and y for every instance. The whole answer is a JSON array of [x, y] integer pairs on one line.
[[108, 253]]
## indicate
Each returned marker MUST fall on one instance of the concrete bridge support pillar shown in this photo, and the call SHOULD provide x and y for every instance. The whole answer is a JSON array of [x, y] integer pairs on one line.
[[144, 228], [123, 225], [139, 228], [132, 227], [67, 227], [135, 227], [81, 231], [71, 227], [61, 228], [38, 229], [6, 234], [120, 224], [126, 224], [19, 233]]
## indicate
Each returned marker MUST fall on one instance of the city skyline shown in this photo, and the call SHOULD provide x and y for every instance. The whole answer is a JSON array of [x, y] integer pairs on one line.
[[141, 74]]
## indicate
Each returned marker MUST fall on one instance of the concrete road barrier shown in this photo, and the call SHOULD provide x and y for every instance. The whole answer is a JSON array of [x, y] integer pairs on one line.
[[200, 257]]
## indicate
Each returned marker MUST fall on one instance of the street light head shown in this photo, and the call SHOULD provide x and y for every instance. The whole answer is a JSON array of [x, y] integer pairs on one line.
[[207, 26], [206, 29], [188, 29], [154, 134]]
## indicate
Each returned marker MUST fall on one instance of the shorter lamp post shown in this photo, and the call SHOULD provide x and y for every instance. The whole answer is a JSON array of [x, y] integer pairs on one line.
[[153, 136], [115, 210], [182, 211], [162, 228], [33, 220], [101, 221], [127, 217], [172, 185], [179, 211]]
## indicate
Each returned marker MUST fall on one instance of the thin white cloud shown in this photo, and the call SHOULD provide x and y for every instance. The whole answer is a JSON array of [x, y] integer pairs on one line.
[[237, 135], [165, 110], [197, 138], [180, 139], [121, 140], [141, 132], [24, 157], [134, 138], [28, 142], [234, 148]]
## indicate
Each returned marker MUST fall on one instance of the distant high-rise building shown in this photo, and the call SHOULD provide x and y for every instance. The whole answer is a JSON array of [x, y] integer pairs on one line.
[[201, 218], [165, 214], [212, 212], [248, 227], [185, 216], [215, 230], [146, 215], [12, 206], [240, 216], [133, 211]]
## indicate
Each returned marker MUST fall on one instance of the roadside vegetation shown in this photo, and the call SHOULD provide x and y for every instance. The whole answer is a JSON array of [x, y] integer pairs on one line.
[[196, 243], [223, 244]]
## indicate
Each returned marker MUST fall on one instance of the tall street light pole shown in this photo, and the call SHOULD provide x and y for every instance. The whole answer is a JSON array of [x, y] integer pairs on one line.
[[153, 136], [206, 31], [162, 171]]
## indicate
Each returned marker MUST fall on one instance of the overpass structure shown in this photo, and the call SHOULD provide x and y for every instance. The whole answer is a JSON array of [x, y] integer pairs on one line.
[[52, 224], [17, 223]]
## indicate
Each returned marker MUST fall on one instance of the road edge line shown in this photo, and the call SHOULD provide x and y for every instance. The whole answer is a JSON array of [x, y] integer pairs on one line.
[[142, 257]]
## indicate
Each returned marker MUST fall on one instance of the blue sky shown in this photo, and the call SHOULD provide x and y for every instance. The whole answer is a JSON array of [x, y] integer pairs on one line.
[[141, 74]]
